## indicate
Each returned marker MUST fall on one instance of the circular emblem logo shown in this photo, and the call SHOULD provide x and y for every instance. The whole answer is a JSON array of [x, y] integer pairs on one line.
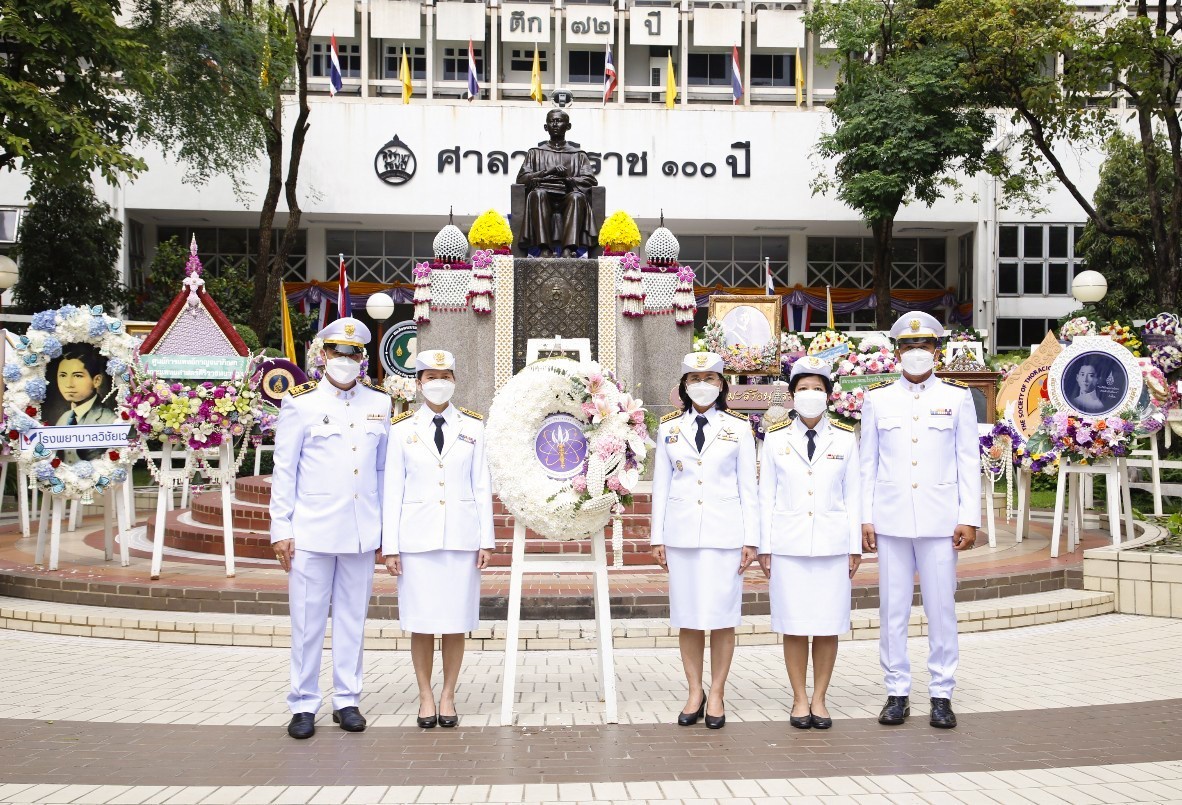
[[398, 349], [395, 163], [279, 376], [560, 446], [562, 98]]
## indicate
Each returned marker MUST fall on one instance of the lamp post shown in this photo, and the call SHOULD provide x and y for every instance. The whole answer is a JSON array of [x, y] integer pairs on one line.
[[380, 307], [1089, 287], [9, 273]]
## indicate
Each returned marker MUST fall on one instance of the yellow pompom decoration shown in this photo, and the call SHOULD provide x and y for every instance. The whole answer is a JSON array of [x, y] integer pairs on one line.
[[619, 233], [490, 231]]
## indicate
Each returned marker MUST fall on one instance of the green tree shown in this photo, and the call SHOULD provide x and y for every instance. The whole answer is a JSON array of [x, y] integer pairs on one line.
[[1121, 198], [1010, 52], [901, 124], [68, 81], [162, 283], [68, 245]]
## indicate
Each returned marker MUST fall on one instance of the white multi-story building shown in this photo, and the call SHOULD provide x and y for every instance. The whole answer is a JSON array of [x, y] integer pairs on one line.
[[732, 179]]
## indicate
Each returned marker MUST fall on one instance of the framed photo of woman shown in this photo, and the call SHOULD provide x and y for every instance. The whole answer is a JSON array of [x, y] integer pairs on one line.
[[1094, 377]]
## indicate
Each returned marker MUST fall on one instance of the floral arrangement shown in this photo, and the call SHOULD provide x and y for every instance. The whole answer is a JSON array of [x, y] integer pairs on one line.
[[999, 455], [875, 362], [26, 388], [1124, 335], [1080, 325], [490, 231], [791, 342], [614, 424], [1084, 440], [422, 297], [480, 286], [619, 234], [827, 339], [875, 341], [684, 303], [402, 389], [739, 358], [631, 286], [847, 404], [1164, 339]]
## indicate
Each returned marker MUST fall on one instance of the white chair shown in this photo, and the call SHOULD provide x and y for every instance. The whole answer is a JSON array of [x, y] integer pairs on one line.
[[1068, 493]]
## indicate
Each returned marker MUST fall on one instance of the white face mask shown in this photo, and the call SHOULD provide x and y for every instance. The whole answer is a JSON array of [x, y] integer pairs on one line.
[[918, 362], [810, 403], [438, 392], [702, 393], [342, 370]]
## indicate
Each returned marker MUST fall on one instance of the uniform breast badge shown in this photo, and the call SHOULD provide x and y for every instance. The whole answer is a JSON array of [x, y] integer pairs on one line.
[[677, 465], [727, 435], [375, 417], [326, 419], [671, 438], [941, 412], [835, 456], [466, 438]]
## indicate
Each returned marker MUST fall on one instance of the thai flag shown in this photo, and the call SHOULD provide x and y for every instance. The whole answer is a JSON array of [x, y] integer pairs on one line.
[[473, 83], [344, 308], [334, 68], [610, 80], [736, 75]]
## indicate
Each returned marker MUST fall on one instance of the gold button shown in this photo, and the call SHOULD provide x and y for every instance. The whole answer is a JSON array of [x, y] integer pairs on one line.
[[441, 465], [441, 503], [916, 418], [351, 425], [917, 396], [915, 439], [355, 472], [699, 462], [810, 514], [441, 483], [914, 463], [354, 448], [346, 405], [915, 486], [699, 503], [354, 497], [810, 472], [699, 483]]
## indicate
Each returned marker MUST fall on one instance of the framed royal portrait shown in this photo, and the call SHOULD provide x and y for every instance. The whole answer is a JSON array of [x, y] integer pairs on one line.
[[752, 325], [1094, 377]]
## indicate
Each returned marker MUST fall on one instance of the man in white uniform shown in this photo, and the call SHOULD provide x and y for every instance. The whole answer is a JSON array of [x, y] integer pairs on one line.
[[921, 485], [326, 521]]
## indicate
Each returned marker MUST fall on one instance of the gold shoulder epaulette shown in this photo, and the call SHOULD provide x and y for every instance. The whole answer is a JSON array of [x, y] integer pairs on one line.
[[958, 383], [837, 423], [879, 385], [472, 414], [736, 414], [369, 384], [671, 415], [402, 416], [778, 426], [303, 388]]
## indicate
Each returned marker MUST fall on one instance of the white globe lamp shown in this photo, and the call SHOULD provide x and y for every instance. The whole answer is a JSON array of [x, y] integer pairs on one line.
[[379, 306], [1089, 287]]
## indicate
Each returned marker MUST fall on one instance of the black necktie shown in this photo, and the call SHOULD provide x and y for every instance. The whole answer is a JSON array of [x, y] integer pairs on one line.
[[700, 437], [73, 418], [439, 420], [811, 434]]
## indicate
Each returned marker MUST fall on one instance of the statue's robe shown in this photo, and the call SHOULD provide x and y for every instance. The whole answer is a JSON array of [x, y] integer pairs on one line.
[[570, 197]]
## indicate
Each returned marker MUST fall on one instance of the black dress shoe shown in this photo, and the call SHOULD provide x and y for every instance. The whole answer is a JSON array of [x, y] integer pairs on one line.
[[801, 722], [715, 722], [895, 711], [449, 721], [942, 715], [349, 718], [302, 725], [428, 722], [689, 719], [821, 722]]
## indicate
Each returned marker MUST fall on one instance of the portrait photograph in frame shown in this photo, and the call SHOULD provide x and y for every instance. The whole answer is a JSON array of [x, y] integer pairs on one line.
[[752, 322], [1094, 377]]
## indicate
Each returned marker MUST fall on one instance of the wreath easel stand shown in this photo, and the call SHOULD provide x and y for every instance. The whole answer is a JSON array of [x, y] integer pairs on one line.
[[53, 512], [169, 477]]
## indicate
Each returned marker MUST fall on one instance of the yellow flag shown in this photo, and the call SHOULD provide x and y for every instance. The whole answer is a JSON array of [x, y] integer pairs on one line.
[[288, 339], [670, 83], [829, 310], [535, 80], [799, 79], [404, 77]]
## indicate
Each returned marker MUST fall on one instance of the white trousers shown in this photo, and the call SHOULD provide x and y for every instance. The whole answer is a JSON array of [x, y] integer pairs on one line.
[[344, 580], [935, 560]]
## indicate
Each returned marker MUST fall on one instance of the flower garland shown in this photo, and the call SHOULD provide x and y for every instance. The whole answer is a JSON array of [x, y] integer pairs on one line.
[[827, 339], [1124, 335], [847, 404], [684, 304], [740, 358], [631, 286], [26, 389], [614, 424], [999, 454], [480, 288], [1080, 325], [422, 297]]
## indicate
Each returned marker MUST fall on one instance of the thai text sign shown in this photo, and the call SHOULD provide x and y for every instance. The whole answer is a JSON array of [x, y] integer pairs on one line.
[[195, 367], [851, 382], [75, 437]]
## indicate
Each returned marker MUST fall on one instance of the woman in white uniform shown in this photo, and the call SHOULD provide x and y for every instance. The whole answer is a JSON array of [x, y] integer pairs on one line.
[[810, 534], [705, 526], [437, 528]]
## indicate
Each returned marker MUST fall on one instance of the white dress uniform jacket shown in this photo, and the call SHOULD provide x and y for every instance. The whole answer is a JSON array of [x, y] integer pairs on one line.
[[708, 499], [326, 488], [810, 508], [921, 465], [437, 500]]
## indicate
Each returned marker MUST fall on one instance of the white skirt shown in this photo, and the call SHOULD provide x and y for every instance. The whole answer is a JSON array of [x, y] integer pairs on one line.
[[705, 588], [810, 594], [439, 592]]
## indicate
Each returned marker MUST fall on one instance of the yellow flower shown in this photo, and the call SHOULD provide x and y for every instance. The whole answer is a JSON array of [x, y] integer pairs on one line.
[[619, 233], [490, 231]]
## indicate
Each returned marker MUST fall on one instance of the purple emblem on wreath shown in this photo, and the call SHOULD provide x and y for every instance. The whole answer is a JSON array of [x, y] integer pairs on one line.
[[560, 446]]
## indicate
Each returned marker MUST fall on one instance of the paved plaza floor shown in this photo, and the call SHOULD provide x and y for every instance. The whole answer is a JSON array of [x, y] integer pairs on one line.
[[1082, 711]]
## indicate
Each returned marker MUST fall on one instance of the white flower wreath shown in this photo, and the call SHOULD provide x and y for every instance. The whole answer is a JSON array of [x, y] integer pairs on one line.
[[613, 423], [26, 388]]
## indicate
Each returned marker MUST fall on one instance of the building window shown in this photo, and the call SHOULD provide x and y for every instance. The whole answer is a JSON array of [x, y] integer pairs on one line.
[[709, 69], [918, 264], [964, 268], [734, 262], [10, 219], [1015, 333], [585, 67], [1037, 259], [135, 253], [350, 58], [455, 63], [522, 61], [768, 70], [392, 64], [220, 248], [377, 256]]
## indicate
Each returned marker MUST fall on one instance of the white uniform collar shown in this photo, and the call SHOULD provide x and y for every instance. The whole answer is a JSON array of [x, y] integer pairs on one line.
[[84, 408], [340, 394], [924, 386], [802, 429], [450, 414], [711, 415]]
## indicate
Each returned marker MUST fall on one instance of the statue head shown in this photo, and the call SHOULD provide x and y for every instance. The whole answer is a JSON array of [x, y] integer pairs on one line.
[[557, 124]]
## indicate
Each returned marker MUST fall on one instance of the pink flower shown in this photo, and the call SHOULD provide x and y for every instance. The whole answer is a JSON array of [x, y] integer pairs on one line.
[[602, 410], [640, 430], [594, 383], [637, 418], [579, 483], [613, 483], [588, 410]]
